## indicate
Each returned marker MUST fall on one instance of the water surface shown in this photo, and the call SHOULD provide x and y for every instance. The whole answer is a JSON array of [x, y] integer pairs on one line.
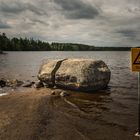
[[106, 115]]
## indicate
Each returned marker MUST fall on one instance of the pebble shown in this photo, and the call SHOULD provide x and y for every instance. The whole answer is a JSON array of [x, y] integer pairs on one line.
[[27, 84], [64, 94], [2, 83], [53, 93], [38, 84]]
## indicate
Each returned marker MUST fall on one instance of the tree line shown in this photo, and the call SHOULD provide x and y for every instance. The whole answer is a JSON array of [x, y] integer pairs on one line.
[[25, 44]]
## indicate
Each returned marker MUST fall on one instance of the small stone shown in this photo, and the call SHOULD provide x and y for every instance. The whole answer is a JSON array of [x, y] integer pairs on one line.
[[64, 94], [38, 84], [27, 84], [13, 83], [53, 93], [19, 83], [45, 84], [56, 92], [54, 87], [2, 83]]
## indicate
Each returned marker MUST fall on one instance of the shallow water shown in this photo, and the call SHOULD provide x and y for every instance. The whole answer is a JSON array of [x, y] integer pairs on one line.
[[110, 114]]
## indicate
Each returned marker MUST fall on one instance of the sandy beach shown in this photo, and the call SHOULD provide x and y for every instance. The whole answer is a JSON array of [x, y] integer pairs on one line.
[[38, 115], [35, 115]]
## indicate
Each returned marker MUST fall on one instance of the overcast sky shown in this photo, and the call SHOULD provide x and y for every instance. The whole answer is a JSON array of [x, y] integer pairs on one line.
[[95, 22]]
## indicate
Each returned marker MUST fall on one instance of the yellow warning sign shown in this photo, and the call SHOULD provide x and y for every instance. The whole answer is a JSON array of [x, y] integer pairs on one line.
[[135, 59]]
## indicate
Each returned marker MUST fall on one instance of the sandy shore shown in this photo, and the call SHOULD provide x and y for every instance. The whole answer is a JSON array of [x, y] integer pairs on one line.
[[35, 115], [25, 115], [38, 115]]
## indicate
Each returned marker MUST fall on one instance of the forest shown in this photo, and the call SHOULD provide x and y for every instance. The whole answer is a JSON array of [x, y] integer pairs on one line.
[[29, 44]]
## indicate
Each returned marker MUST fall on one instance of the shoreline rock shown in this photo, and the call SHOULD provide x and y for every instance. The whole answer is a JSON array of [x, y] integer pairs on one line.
[[38, 84], [15, 83], [28, 84], [72, 74], [2, 82], [1, 52], [10, 83], [75, 74]]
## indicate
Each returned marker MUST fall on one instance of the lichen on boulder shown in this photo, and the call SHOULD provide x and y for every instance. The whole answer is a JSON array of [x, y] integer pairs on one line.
[[75, 74]]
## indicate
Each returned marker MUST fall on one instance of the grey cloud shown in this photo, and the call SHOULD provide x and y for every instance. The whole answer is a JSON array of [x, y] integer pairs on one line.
[[4, 25], [18, 7], [77, 9], [128, 33], [36, 10], [39, 21], [103, 23], [134, 10]]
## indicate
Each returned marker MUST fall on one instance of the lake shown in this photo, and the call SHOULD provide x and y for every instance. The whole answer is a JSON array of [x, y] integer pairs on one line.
[[109, 114]]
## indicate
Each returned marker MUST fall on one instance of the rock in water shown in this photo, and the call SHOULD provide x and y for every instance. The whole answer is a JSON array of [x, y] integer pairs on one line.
[[13, 83], [38, 84], [76, 74], [64, 94], [2, 82], [28, 84], [82, 74]]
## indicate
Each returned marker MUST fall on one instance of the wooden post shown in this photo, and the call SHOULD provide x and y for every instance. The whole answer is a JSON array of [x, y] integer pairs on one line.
[[138, 133]]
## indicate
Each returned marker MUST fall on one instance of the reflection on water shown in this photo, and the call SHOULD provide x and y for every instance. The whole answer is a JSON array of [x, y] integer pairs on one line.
[[90, 102], [109, 114]]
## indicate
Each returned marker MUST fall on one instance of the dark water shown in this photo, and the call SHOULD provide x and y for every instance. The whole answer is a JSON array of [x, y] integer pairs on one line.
[[110, 114]]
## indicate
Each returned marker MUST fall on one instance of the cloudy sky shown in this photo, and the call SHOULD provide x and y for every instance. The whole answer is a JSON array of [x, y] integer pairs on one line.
[[95, 22]]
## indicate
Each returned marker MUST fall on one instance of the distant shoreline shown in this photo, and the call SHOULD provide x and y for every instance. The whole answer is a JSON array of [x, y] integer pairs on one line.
[[29, 44], [106, 49], [93, 49]]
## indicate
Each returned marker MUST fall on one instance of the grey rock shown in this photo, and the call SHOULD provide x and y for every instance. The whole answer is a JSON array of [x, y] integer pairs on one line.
[[28, 84], [75, 74], [54, 87], [13, 83], [10, 83], [45, 85], [2, 82], [64, 94], [38, 84], [56, 92], [82, 74], [1, 52]]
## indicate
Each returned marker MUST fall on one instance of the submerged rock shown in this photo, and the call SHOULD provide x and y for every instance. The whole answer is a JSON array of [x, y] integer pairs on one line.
[[28, 84], [59, 92], [2, 82], [75, 74], [10, 83], [1, 52], [64, 94], [13, 83], [38, 84], [56, 92]]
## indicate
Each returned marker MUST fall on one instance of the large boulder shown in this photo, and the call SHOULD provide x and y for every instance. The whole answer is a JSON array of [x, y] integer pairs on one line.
[[75, 74]]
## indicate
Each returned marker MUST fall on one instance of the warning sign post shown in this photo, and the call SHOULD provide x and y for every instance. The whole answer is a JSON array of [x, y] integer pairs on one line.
[[135, 66], [135, 59]]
